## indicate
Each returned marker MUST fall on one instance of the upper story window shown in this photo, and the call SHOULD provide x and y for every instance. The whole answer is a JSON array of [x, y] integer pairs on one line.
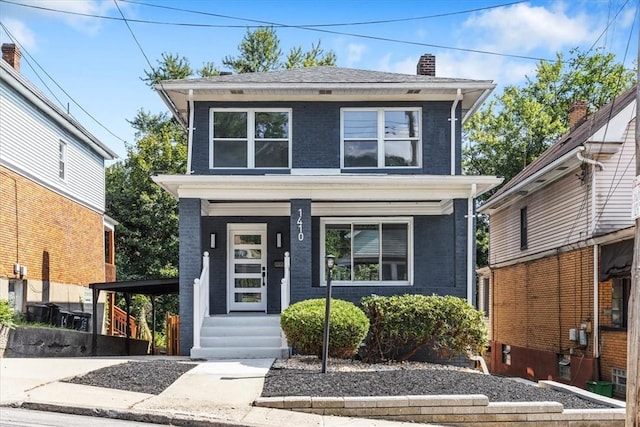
[[250, 138], [368, 251], [381, 137], [524, 228], [62, 160]]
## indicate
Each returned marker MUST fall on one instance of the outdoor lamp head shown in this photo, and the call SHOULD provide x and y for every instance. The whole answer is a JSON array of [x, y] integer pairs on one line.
[[331, 260]]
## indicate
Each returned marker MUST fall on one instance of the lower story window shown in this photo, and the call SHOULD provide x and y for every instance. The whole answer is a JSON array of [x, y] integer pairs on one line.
[[619, 380], [506, 354], [368, 251], [564, 366]]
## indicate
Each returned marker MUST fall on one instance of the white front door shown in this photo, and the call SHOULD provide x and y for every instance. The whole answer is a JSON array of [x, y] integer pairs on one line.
[[247, 257]]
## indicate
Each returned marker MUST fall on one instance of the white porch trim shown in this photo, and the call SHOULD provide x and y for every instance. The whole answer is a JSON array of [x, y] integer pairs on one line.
[[334, 188]]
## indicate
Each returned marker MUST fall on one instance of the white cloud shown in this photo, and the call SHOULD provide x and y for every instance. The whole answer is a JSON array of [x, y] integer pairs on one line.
[[86, 24], [522, 28], [20, 32], [354, 53], [503, 71]]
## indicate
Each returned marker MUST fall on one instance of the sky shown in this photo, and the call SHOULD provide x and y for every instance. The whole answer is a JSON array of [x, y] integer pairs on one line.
[[83, 55]]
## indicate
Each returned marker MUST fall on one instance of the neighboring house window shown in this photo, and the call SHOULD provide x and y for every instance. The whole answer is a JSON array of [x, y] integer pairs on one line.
[[485, 294], [619, 380], [381, 137], [523, 228], [506, 354], [62, 160], [620, 292], [564, 366], [368, 251], [253, 138]]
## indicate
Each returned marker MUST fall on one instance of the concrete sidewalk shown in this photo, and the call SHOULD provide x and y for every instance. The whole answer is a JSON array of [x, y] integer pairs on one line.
[[214, 393]]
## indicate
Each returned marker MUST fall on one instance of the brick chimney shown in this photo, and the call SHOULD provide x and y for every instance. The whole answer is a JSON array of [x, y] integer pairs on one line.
[[426, 65], [11, 54], [577, 113]]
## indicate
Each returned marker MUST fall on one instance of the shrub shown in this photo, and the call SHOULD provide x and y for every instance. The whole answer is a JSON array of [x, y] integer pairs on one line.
[[401, 324], [6, 314], [303, 325]]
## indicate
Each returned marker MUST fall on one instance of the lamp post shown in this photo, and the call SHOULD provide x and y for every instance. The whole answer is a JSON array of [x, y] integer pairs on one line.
[[330, 262]]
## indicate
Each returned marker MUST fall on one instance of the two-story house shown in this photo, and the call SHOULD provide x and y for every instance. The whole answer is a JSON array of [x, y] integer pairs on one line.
[[560, 254], [55, 238], [287, 167]]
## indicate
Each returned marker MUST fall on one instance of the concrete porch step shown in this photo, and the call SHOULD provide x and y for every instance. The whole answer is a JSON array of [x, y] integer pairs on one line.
[[241, 336]]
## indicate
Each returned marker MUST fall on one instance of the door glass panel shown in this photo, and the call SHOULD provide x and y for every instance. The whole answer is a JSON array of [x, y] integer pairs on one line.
[[247, 297], [247, 268], [248, 254], [248, 283], [247, 239]]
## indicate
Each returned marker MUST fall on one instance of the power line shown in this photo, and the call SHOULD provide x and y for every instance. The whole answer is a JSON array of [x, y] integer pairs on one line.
[[300, 27], [342, 24], [6, 30]]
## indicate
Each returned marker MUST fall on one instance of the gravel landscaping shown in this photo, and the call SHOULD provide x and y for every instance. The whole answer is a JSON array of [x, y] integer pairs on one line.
[[152, 376], [301, 376]]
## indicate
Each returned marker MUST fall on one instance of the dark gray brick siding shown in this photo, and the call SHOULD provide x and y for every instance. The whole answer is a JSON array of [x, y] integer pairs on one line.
[[301, 248], [316, 135], [190, 266]]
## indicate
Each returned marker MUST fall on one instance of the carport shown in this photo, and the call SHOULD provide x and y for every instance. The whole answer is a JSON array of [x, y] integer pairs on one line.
[[152, 288]]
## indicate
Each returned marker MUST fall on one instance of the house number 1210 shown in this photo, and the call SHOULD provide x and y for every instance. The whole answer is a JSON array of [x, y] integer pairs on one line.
[[299, 222]]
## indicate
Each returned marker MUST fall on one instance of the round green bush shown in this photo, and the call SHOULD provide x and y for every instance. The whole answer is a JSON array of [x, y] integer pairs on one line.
[[303, 325], [401, 324]]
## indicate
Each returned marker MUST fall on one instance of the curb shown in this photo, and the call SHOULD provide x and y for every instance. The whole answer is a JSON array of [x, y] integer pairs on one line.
[[185, 420]]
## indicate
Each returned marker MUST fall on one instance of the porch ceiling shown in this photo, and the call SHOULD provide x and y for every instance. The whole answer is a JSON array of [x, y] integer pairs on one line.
[[335, 188]]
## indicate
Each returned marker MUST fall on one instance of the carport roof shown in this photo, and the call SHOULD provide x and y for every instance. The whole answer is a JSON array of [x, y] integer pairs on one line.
[[143, 287]]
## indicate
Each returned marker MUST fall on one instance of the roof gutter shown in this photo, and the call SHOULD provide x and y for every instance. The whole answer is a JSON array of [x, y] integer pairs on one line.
[[172, 107], [477, 104], [530, 179]]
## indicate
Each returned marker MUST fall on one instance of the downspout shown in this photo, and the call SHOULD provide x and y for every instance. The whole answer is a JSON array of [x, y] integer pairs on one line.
[[453, 130], [596, 314], [190, 137], [470, 240], [593, 164]]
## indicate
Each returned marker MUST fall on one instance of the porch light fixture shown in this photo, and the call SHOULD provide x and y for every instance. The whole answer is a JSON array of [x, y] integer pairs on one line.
[[278, 240], [330, 261], [213, 241]]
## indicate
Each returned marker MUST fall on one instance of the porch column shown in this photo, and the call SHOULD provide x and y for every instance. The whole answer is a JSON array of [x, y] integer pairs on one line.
[[300, 248], [189, 218]]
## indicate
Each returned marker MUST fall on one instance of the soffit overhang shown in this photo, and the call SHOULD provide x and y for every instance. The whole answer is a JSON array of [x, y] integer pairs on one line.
[[338, 188], [176, 95]]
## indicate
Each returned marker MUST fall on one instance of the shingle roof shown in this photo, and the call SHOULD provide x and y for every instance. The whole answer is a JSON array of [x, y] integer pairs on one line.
[[322, 74], [573, 139]]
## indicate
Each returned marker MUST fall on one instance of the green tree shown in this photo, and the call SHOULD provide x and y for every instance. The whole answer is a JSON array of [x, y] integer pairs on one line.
[[260, 51], [520, 123]]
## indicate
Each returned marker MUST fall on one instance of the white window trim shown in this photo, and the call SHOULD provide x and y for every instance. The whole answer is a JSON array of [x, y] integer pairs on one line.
[[251, 135], [63, 149], [381, 138], [368, 220]]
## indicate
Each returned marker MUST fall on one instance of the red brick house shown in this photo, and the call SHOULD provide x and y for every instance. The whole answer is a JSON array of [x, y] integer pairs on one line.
[[55, 238], [560, 254]]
